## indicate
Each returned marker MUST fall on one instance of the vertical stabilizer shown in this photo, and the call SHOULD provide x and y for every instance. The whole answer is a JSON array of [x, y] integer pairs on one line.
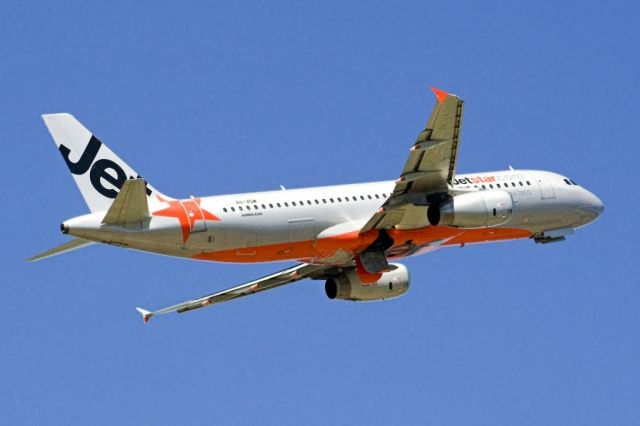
[[98, 171]]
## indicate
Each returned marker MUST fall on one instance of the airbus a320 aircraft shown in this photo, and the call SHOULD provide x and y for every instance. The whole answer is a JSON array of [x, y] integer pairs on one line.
[[345, 235]]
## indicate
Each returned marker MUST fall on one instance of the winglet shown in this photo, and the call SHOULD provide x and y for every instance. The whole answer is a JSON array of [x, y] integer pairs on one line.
[[146, 315], [441, 95]]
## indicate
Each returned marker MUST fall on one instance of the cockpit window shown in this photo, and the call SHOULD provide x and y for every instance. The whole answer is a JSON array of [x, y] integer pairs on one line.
[[567, 181], [574, 182]]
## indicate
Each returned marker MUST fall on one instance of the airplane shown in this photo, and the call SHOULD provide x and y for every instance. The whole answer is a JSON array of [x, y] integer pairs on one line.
[[349, 236]]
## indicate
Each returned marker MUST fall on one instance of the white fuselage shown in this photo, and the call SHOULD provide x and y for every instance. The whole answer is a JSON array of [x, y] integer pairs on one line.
[[542, 201]]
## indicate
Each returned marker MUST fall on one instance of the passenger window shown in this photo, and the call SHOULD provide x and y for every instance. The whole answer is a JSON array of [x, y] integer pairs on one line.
[[286, 204], [255, 207], [270, 205], [331, 199], [528, 183], [498, 185], [224, 209], [293, 203], [309, 202], [278, 204], [369, 197], [233, 209], [317, 202], [324, 200], [513, 184], [491, 185], [264, 207], [354, 198], [339, 200], [240, 208], [362, 197], [484, 187], [520, 183]]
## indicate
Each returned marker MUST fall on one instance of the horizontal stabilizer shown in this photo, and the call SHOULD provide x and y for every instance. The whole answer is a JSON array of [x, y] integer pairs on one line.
[[130, 205], [64, 248]]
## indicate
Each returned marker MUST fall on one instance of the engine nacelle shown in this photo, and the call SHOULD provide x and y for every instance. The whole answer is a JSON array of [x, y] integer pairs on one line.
[[349, 287], [480, 209]]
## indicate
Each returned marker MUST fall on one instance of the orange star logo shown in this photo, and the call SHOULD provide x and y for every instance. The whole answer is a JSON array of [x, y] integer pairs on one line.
[[187, 212]]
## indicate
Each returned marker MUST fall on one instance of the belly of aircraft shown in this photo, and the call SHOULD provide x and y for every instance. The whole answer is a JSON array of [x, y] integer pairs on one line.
[[406, 243]]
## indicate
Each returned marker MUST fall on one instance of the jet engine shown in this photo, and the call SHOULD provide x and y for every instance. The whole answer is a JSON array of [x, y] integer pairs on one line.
[[348, 286], [480, 209]]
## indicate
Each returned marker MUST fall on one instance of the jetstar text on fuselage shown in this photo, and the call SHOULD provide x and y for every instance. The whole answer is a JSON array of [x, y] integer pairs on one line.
[[474, 180]]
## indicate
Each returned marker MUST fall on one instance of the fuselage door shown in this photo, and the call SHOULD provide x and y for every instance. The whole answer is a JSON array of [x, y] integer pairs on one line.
[[195, 215], [546, 188], [301, 229]]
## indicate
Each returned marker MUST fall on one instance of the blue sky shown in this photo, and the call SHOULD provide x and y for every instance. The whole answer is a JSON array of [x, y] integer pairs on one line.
[[209, 98]]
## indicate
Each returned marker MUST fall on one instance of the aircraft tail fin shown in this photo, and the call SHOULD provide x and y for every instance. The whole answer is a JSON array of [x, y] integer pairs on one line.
[[75, 244], [98, 171]]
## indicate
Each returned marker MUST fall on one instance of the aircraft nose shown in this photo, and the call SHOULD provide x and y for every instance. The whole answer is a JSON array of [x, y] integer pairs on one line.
[[591, 207], [597, 205]]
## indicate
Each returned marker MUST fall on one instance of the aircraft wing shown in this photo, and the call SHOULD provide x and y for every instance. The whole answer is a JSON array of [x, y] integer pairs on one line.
[[286, 276], [429, 169]]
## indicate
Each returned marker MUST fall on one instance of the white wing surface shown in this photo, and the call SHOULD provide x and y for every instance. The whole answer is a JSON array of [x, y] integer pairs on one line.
[[428, 171], [287, 276]]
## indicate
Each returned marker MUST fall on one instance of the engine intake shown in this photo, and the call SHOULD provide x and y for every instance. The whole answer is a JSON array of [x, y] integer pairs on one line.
[[480, 209], [348, 286]]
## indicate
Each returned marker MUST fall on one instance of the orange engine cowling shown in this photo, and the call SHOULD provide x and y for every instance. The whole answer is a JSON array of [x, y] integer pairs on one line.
[[348, 286]]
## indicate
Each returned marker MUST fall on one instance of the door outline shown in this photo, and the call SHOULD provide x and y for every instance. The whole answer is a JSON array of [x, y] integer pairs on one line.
[[547, 191], [195, 215]]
